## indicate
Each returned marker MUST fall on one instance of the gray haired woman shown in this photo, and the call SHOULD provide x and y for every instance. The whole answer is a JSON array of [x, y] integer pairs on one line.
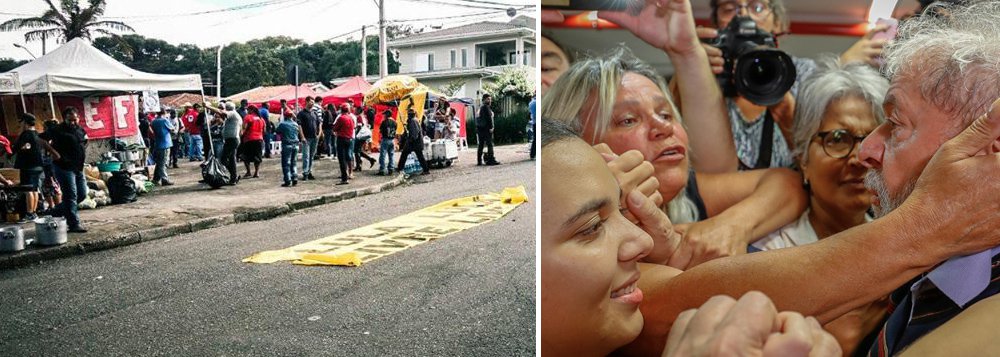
[[837, 107]]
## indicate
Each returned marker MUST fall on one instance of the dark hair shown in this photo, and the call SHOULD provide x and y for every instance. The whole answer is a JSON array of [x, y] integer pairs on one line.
[[28, 119], [243, 101], [777, 10], [486, 95], [67, 111], [569, 56], [555, 131], [410, 113], [283, 101], [253, 109], [318, 99], [387, 113], [330, 107]]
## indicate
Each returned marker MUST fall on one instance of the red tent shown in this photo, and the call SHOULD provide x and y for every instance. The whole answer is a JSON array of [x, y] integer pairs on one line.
[[274, 94], [353, 89]]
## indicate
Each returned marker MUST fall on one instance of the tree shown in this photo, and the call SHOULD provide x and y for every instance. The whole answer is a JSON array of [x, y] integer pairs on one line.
[[7, 64], [67, 22]]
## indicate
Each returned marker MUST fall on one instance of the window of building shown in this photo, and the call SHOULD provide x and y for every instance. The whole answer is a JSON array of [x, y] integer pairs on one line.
[[453, 58]]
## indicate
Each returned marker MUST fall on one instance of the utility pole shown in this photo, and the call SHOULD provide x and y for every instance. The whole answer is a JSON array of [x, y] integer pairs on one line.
[[43, 43], [364, 53], [218, 74], [383, 66]]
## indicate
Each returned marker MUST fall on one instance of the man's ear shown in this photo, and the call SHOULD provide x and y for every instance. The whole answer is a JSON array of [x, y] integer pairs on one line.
[[995, 148]]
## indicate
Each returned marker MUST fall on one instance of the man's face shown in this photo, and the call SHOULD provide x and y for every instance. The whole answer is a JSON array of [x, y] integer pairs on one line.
[[758, 10], [72, 119], [554, 63], [488, 100], [897, 151]]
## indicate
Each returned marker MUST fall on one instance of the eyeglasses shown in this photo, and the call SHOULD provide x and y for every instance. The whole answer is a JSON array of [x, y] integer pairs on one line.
[[839, 143], [756, 9]]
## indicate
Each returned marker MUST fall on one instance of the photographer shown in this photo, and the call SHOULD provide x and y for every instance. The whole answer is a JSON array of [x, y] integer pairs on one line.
[[763, 126]]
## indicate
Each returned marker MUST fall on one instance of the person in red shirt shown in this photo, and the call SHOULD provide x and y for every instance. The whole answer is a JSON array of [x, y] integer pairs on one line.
[[252, 147], [192, 132], [344, 130]]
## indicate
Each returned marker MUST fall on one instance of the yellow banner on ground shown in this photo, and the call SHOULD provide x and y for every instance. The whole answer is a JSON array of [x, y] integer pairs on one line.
[[361, 245]]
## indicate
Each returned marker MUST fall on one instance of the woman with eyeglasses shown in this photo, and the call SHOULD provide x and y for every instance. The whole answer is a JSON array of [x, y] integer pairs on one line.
[[837, 107]]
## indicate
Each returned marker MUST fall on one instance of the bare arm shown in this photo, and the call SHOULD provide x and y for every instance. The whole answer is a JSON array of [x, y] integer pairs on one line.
[[704, 113], [742, 207], [738, 197]]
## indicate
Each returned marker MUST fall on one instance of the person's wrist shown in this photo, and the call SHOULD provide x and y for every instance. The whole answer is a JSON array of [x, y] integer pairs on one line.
[[683, 55]]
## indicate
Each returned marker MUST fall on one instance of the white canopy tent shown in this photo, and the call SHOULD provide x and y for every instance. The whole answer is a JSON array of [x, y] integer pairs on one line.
[[10, 83], [79, 67]]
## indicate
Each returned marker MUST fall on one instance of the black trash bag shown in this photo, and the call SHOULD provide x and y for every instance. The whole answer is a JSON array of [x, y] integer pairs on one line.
[[214, 174], [121, 188]]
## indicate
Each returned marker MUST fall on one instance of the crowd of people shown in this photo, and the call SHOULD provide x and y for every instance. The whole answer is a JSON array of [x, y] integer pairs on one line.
[[855, 216], [245, 133], [52, 162]]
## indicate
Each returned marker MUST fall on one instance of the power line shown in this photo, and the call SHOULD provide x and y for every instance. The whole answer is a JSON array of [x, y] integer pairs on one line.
[[197, 13], [495, 12]]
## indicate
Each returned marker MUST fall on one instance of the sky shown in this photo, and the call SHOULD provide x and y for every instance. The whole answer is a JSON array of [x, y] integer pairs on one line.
[[309, 20]]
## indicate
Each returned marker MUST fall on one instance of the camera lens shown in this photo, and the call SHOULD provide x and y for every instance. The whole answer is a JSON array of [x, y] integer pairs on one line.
[[764, 75]]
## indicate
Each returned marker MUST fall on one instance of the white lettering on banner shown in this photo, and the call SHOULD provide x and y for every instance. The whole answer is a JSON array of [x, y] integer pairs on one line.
[[90, 113], [121, 111]]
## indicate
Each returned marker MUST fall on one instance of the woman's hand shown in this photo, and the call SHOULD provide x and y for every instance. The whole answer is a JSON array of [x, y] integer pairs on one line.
[[654, 222], [664, 24], [632, 173], [866, 50], [751, 326], [707, 240]]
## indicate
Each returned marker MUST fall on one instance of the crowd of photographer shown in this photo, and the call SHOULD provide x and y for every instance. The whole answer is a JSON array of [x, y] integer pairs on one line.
[[850, 180]]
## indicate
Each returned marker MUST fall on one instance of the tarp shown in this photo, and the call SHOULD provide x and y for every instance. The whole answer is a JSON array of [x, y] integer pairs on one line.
[[272, 96], [362, 245], [79, 67]]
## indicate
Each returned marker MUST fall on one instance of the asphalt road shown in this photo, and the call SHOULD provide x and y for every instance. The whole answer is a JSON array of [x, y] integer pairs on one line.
[[468, 294]]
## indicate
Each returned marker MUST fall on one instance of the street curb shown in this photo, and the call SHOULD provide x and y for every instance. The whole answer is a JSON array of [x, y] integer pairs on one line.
[[26, 257]]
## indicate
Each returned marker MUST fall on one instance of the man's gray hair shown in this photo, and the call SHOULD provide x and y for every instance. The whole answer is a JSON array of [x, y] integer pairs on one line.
[[955, 57], [230, 106], [834, 80]]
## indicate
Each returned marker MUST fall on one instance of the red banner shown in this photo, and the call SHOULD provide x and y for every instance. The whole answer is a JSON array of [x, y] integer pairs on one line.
[[105, 117]]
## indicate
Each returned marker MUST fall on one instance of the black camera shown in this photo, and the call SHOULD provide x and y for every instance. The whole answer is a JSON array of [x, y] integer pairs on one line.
[[754, 68]]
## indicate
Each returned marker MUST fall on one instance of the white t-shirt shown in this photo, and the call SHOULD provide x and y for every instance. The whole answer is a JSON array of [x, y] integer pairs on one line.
[[794, 234]]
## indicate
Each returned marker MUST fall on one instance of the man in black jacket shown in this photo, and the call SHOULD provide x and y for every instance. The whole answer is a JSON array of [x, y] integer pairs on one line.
[[70, 141], [484, 127], [414, 142]]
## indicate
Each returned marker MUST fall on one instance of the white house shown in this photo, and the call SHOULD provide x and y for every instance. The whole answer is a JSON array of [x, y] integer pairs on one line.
[[468, 54]]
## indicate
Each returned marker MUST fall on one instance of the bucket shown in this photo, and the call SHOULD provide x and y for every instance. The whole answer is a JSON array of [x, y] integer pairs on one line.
[[11, 239], [50, 231], [110, 166]]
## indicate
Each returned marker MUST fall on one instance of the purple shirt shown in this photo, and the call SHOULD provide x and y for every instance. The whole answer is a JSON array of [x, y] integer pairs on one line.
[[961, 278]]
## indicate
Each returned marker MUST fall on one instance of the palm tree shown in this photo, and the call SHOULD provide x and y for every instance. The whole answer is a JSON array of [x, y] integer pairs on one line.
[[67, 22]]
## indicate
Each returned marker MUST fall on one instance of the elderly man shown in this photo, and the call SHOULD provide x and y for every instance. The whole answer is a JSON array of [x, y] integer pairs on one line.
[[945, 72], [933, 67]]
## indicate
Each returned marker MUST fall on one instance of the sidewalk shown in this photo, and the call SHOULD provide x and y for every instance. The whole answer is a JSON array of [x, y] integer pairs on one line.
[[189, 206]]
